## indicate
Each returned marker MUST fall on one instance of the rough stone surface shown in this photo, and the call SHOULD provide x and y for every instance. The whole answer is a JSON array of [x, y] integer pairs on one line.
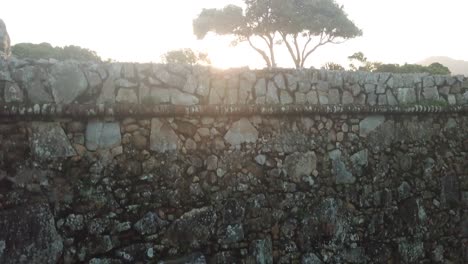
[[126, 96], [29, 233], [48, 141], [5, 48], [240, 132], [369, 124], [68, 82], [163, 138], [300, 165], [102, 135]]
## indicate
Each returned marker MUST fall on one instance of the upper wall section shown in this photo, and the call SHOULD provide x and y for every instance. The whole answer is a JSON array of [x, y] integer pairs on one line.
[[51, 82]]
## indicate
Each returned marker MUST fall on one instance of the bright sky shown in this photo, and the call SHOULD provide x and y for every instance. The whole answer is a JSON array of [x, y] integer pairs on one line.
[[395, 31]]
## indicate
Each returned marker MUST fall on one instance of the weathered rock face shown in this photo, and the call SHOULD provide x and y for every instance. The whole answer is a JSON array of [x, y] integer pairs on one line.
[[29, 234], [68, 82], [182, 85], [177, 180], [49, 141], [4, 40]]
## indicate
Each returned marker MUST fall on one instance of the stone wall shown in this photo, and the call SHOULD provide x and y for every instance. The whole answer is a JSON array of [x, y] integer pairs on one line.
[[53, 82], [125, 163]]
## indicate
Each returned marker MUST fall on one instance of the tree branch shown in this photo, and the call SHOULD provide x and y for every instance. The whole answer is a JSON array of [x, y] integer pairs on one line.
[[290, 49], [261, 52]]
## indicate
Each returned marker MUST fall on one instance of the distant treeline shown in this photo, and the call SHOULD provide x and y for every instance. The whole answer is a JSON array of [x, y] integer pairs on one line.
[[47, 51]]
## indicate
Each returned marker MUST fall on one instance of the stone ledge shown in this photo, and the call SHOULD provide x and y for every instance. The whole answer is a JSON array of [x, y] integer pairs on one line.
[[138, 110]]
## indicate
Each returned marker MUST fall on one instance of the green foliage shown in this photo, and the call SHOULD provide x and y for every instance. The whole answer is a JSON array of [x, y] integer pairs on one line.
[[360, 63], [46, 51], [301, 25], [331, 66], [185, 56]]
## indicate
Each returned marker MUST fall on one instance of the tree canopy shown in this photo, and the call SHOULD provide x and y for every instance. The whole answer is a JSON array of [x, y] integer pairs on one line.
[[185, 56], [359, 62], [47, 51], [301, 25]]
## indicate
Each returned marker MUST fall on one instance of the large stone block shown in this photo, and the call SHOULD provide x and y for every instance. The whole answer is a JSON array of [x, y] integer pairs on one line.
[[240, 132], [49, 141], [102, 135], [163, 138], [28, 235], [67, 82]]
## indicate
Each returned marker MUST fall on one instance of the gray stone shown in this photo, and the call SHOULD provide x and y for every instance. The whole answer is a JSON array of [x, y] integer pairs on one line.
[[67, 82], [93, 78], [323, 98], [191, 84], [272, 94], [149, 224], [406, 95], [451, 99], [160, 95], [218, 91], [233, 233], [285, 98], [260, 88], [300, 165], [355, 89], [13, 93], [310, 97], [49, 141], [280, 82], [372, 99], [212, 163], [411, 251], [347, 98], [246, 84], [32, 79], [369, 124], [370, 88], [108, 88], [180, 98], [126, 96], [431, 93], [260, 159], [194, 258], [310, 258], [382, 99], [334, 96], [194, 228], [163, 138], [292, 82], [391, 100], [380, 89], [359, 160], [102, 135], [339, 170], [29, 234], [124, 83], [262, 251], [240, 132], [5, 48], [428, 81]]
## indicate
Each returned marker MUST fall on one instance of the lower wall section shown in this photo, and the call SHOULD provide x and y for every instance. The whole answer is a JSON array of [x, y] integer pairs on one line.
[[311, 189]]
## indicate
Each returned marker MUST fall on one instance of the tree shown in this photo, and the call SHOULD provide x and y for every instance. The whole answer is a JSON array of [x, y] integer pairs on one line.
[[359, 63], [365, 65], [301, 25], [46, 51], [331, 66], [185, 56]]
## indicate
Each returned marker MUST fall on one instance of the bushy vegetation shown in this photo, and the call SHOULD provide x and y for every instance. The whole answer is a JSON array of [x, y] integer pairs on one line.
[[360, 63], [47, 51], [186, 56]]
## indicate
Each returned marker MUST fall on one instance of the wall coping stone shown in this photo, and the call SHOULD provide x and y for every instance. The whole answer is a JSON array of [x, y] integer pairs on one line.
[[20, 111]]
